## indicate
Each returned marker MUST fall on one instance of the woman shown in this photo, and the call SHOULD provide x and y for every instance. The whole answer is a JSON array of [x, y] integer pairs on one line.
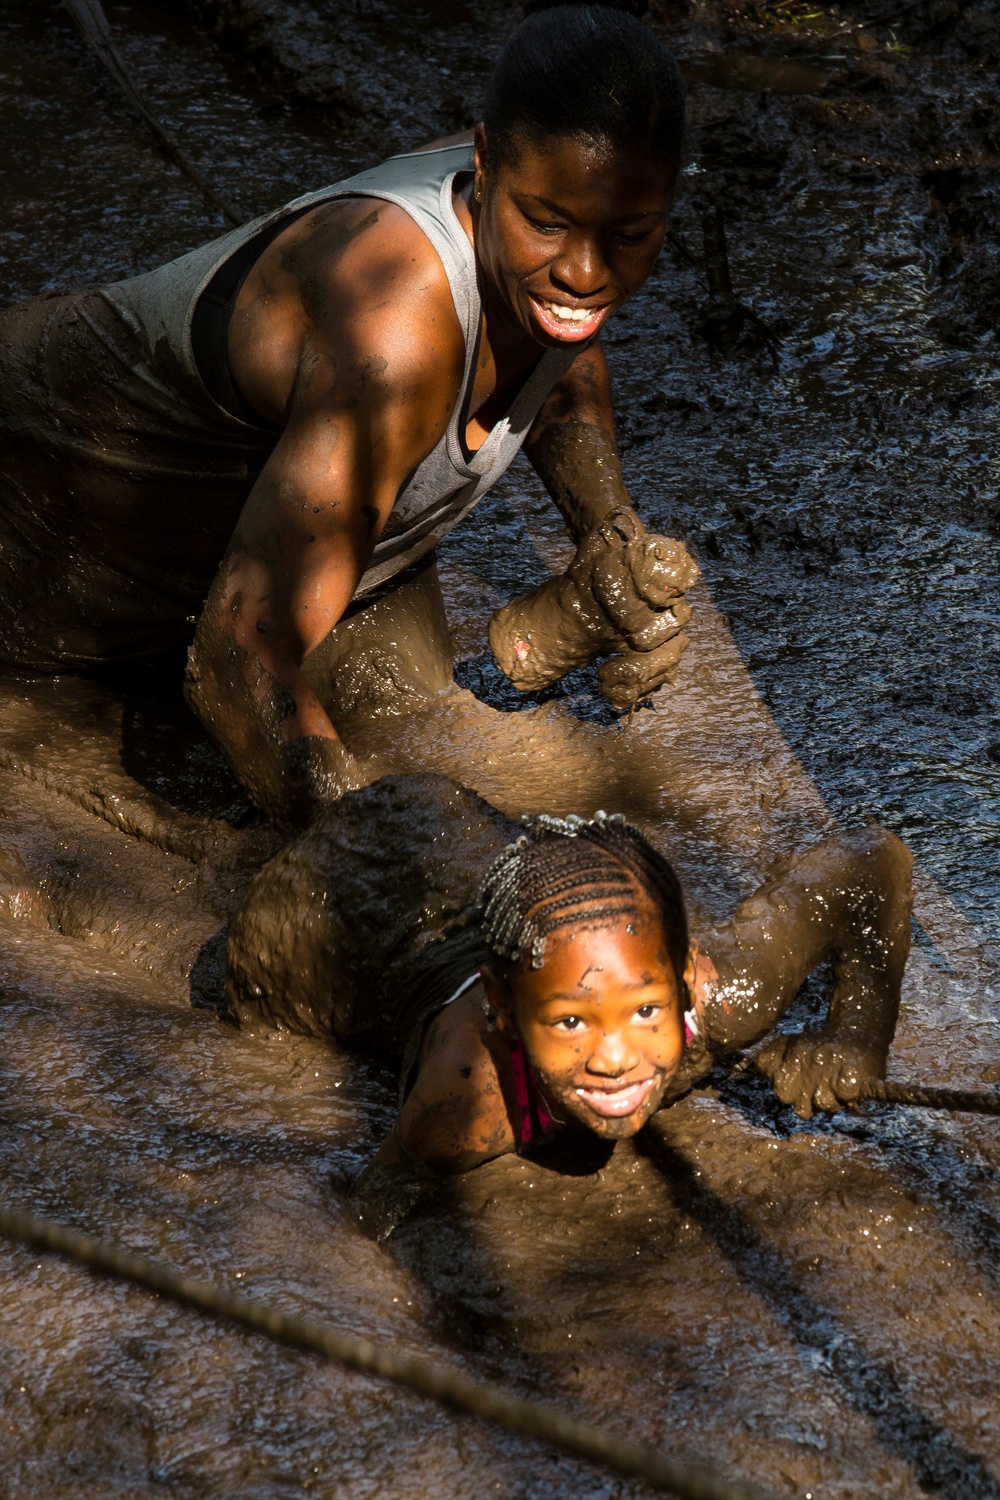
[[288, 419], [531, 983]]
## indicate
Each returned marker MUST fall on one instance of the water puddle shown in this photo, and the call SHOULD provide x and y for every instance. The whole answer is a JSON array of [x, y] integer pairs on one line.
[[739, 68]]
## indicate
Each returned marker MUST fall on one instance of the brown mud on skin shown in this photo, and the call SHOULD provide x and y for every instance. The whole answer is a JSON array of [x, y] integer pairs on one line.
[[811, 1305], [622, 596], [323, 945]]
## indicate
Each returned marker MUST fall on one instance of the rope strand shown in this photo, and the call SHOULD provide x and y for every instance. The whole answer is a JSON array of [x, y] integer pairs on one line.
[[441, 1383], [921, 1096]]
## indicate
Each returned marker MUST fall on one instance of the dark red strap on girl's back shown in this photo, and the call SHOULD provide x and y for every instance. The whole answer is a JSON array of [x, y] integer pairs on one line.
[[533, 1119]]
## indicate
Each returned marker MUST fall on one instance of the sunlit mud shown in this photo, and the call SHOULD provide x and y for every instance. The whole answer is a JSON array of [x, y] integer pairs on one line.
[[814, 1306]]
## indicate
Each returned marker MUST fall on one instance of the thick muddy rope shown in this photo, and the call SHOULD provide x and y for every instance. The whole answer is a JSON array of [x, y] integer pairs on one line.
[[92, 24], [911, 1095], [440, 1383], [958, 1101]]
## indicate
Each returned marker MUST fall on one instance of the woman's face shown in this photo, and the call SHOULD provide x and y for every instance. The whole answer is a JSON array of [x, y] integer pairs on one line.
[[602, 1021], [567, 233]]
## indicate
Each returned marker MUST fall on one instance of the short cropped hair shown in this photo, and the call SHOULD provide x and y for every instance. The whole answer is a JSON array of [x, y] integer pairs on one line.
[[587, 71]]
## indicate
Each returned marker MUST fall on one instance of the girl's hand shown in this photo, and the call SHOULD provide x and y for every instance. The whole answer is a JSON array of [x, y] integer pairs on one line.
[[383, 1196], [810, 1071]]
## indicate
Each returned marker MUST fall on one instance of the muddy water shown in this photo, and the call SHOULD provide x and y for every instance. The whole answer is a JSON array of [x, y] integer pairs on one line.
[[814, 1306]]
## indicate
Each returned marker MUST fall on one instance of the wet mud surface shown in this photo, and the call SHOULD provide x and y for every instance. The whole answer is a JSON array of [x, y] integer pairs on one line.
[[814, 1306]]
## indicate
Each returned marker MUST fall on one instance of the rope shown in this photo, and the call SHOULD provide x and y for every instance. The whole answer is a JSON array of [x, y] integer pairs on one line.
[[440, 1383], [923, 1097], [91, 22], [914, 1095]]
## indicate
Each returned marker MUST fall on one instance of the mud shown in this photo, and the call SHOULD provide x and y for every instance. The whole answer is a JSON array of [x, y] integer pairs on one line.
[[810, 1305]]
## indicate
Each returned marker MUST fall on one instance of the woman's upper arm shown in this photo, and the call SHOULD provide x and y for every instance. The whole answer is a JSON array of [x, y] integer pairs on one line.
[[373, 390]]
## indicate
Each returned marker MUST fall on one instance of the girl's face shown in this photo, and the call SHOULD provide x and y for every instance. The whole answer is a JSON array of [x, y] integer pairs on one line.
[[565, 235], [602, 1021]]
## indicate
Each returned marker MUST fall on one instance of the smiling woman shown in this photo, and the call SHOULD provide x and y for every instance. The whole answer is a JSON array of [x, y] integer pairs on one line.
[[271, 433], [591, 100]]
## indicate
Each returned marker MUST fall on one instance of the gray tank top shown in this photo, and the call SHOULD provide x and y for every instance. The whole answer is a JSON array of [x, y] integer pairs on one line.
[[449, 482]]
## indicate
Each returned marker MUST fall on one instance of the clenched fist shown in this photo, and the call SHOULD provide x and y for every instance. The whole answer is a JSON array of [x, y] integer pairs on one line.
[[622, 594]]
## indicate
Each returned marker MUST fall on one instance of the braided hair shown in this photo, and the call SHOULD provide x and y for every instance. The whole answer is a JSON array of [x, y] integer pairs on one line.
[[578, 872]]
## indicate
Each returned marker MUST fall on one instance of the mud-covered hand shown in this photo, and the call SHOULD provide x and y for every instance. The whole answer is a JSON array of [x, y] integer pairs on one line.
[[637, 578], [384, 1195], [623, 595], [316, 772], [811, 1071]]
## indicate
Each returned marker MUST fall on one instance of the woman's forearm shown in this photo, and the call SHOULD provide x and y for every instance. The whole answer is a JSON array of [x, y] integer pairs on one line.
[[572, 445], [269, 724], [578, 463]]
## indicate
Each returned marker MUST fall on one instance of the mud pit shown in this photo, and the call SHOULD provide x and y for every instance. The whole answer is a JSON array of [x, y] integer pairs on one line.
[[813, 1306]]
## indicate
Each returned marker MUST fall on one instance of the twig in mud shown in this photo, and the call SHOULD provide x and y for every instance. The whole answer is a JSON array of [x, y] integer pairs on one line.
[[91, 22], [723, 303], [677, 242], [720, 281], [724, 316]]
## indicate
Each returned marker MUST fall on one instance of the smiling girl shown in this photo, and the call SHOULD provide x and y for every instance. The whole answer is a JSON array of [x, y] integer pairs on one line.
[[541, 981]]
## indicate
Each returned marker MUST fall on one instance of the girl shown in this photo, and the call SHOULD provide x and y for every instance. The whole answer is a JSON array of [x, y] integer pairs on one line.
[[538, 981]]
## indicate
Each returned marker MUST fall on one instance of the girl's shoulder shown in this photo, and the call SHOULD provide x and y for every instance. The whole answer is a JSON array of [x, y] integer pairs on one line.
[[456, 1114]]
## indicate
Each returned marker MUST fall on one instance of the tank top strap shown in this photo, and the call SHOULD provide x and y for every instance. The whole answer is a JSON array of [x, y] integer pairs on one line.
[[163, 301], [533, 1119]]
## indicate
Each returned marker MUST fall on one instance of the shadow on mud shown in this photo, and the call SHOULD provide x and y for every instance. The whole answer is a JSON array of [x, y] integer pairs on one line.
[[940, 1464], [167, 750]]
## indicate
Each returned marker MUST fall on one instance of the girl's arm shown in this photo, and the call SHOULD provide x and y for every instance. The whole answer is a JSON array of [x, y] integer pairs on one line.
[[847, 900], [453, 1119], [455, 1116]]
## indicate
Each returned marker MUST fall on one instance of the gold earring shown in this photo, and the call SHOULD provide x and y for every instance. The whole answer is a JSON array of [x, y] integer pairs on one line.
[[477, 191]]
